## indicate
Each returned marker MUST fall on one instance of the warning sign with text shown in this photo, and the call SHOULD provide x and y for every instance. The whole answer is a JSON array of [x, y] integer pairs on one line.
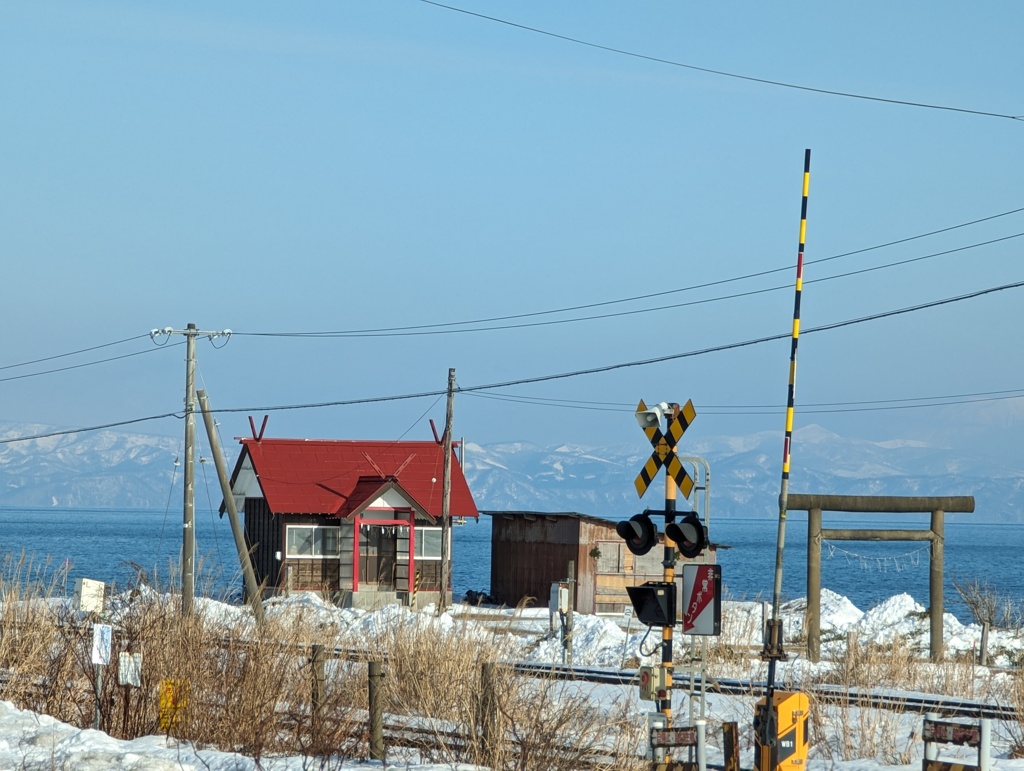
[[702, 599]]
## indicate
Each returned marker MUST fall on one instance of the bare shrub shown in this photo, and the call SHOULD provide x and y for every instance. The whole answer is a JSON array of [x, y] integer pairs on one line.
[[553, 725], [848, 728], [1013, 695], [435, 676], [988, 606]]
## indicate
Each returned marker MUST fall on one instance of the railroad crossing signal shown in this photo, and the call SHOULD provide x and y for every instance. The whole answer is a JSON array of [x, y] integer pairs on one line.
[[664, 452]]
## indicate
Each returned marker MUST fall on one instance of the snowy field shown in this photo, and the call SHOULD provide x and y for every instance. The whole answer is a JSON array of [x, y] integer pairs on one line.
[[32, 741]]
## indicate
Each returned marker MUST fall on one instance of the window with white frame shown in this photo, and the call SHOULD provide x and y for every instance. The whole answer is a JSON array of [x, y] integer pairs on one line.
[[428, 543], [313, 541]]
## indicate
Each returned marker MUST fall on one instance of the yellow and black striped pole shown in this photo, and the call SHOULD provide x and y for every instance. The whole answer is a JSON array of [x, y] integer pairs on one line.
[[773, 636], [669, 577]]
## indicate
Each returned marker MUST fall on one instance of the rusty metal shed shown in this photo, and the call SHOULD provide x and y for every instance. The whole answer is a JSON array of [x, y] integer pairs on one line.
[[530, 550]]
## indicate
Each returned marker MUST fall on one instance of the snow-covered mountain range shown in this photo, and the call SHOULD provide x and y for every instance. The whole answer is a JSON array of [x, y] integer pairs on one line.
[[745, 475], [116, 469]]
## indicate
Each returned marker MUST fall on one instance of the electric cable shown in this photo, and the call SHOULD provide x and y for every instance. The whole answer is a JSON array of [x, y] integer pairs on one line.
[[78, 366], [72, 353], [722, 73], [550, 311], [550, 377], [439, 328]]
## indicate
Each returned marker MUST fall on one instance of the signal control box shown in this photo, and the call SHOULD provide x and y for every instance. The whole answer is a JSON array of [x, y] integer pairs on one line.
[[780, 732], [652, 680]]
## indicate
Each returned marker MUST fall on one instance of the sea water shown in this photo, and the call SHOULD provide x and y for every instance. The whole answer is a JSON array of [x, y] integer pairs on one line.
[[110, 545]]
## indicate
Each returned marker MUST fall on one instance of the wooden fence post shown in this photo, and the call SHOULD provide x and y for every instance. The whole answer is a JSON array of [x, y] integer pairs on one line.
[[376, 699], [319, 679], [488, 709]]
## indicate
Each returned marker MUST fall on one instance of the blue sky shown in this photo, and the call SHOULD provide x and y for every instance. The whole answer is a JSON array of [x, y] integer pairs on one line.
[[338, 166]]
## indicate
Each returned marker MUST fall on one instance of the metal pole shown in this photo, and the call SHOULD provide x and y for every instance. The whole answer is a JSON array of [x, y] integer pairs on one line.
[[251, 589], [985, 745], [569, 620], [773, 651], [702, 753], [446, 494], [669, 577], [188, 533], [99, 697]]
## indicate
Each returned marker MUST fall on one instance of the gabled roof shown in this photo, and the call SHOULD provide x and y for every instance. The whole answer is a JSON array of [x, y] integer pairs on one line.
[[369, 489], [343, 477]]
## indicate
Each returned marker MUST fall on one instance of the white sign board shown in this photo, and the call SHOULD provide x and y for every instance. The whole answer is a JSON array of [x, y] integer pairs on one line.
[[101, 639], [130, 670], [702, 599], [89, 595]]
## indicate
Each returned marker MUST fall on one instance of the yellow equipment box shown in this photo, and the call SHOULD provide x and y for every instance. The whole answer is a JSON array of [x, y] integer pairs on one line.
[[780, 734]]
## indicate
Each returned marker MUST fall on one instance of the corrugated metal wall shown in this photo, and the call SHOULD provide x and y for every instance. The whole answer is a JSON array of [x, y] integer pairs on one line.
[[528, 554]]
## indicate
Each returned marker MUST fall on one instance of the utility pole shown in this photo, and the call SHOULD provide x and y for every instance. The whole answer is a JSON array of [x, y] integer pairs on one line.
[[446, 495], [188, 525], [249, 577], [188, 531]]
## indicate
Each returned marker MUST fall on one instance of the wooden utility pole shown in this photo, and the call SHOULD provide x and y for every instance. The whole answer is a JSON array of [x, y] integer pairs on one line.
[[188, 531], [446, 495], [188, 526], [251, 589]]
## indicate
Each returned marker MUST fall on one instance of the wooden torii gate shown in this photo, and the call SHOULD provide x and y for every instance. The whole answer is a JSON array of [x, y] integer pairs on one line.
[[876, 504]]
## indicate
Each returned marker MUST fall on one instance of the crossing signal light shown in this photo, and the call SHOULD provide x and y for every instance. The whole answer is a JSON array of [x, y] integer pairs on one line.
[[690, 535], [654, 602], [639, 533]]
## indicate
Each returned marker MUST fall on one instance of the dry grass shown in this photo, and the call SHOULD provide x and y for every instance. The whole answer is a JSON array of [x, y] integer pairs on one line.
[[254, 690]]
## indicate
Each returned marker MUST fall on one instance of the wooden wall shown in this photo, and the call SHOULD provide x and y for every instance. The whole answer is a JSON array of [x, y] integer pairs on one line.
[[528, 554]]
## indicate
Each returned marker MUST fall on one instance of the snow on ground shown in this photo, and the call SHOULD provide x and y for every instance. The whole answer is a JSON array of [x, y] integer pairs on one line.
[[33, 741]]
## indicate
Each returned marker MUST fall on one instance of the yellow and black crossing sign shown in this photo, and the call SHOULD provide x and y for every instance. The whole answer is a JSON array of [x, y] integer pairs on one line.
[[664, 451]]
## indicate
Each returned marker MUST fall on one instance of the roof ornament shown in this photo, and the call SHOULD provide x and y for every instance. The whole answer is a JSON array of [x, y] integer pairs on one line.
[[375, 466], [252, 426]]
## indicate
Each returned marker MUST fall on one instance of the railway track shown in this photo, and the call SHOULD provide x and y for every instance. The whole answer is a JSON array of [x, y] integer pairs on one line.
[[905, 701]]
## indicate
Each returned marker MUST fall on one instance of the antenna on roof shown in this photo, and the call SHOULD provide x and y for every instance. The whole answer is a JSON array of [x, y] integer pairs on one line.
[[263, 426]]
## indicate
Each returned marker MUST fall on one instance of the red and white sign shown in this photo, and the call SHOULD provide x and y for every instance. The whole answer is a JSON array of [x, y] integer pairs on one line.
[[702, 599]]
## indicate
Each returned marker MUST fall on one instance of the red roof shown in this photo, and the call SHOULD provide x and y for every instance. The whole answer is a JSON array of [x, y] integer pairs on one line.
[[337, 477]]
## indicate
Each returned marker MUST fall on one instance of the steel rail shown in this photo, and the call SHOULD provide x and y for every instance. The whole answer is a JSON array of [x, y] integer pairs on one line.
[[906, 701]]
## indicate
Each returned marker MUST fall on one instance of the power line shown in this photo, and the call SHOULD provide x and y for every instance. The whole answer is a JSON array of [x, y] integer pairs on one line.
[[722, 73], [80, 366], [65, 432], [815, 408], [745, 343], [436, 329], [641, 362], [566, 309], [558, 376], [73, 353]]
